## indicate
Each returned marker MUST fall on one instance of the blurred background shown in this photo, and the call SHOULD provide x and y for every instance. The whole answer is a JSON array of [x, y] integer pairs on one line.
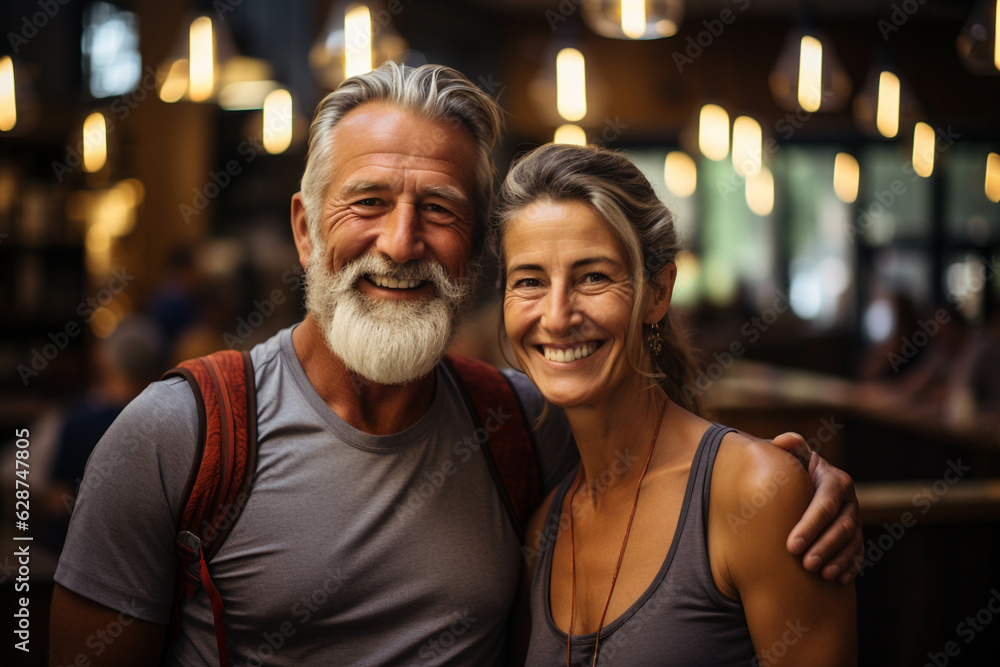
[[832, 164]]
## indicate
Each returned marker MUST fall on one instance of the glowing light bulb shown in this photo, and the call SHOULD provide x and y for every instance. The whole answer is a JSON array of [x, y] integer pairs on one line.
[[747, 146], [570, 134], [996, 35], [202, 60], [810, 92], [277, 121], [713, 132], [634, 18], [8, 103], [358, 40], [993, 177], [923, 149], [887, 116], [760, 192], [680, 174], [571, 85], [846, 177], [95, 142]]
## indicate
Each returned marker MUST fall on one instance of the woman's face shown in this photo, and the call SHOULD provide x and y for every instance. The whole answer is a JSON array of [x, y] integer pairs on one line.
[[567, 301]]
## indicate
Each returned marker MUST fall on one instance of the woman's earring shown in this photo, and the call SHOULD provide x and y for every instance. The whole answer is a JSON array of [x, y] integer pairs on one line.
[[655, 341]]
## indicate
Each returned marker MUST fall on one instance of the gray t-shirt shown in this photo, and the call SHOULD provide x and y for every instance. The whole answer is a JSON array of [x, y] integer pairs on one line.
[[353, 549]]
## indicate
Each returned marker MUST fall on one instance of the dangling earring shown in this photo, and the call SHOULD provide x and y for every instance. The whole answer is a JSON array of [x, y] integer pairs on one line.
[[655, 341]]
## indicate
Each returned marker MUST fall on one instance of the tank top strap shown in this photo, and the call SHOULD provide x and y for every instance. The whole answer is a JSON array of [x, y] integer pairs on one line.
[[701, 470], [550, 529]]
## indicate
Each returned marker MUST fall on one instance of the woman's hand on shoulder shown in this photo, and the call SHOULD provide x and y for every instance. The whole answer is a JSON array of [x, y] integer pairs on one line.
[[758, 494]]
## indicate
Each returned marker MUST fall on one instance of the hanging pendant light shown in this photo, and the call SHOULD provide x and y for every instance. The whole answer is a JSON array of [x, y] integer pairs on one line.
[[633, 19], [713, 132], [564, 88], [205, 66], [993, 177], [808, 74], [846, 177], [357, 37], [19, 105], [978, 44], [885, 106], [680, 174], [8, 97]]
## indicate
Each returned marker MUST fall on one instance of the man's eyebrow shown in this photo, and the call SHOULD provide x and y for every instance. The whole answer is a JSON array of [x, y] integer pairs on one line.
[[446, 192], [360, 186]]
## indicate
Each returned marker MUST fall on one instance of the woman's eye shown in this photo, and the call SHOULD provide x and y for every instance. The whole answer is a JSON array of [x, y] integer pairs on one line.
[[595, 277], [526, 282]]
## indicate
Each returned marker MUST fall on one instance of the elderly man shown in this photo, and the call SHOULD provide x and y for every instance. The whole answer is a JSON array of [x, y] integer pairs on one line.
[[324, 566]]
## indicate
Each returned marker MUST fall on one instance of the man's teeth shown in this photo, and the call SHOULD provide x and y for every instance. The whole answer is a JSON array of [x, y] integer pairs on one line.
[[394, 283], [570, 354]]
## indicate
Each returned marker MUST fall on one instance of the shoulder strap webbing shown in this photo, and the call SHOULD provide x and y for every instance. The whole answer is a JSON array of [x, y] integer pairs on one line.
[[499, 420], [219, 482]]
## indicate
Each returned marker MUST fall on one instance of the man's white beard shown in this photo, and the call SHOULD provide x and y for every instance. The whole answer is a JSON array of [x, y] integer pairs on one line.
[[387, 341]]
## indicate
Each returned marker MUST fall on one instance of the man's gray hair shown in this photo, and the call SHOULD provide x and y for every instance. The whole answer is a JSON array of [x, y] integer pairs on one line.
[[434, 92]]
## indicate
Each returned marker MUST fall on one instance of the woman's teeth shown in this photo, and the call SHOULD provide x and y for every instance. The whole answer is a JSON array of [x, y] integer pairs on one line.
[[394, 283], [571, 354]]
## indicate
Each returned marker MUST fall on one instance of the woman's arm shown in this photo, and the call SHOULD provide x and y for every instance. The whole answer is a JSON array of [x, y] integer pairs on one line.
[[758, 494]]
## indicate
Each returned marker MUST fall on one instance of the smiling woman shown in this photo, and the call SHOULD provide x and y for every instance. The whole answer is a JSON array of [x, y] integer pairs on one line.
[[644, 564]]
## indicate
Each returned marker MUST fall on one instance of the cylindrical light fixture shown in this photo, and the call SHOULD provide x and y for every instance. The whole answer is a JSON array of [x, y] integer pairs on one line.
[[713, 132], [201, 60], [846, 177], [570, 134], [95, 142], [760, 192], [357, 41], [571, 84], [278, 121], [924, 146], [748, 141], [8, 100], [680, 174], [993, 177], [887, 110]]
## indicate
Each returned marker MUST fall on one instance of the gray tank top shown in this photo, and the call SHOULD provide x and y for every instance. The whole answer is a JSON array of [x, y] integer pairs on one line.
[[681, 619]]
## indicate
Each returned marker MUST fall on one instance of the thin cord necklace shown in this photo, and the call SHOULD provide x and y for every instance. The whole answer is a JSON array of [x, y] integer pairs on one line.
[[621, 552]]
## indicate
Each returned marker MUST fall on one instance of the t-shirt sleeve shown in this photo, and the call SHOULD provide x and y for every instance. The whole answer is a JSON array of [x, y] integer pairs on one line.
[[556, 448], [120, 547]]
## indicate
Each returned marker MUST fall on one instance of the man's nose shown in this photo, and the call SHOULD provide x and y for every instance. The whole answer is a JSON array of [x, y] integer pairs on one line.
[[401, 237]]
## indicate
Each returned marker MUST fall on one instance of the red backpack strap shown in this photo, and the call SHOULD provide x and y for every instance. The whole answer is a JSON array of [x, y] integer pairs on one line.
[[218, 485], [510, 451]]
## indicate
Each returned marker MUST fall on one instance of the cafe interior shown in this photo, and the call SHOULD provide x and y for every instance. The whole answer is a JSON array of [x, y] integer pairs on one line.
[[833, 167]]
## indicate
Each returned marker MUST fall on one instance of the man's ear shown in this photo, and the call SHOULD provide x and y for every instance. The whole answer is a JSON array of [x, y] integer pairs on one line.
[[300, 229], [660, 291]]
